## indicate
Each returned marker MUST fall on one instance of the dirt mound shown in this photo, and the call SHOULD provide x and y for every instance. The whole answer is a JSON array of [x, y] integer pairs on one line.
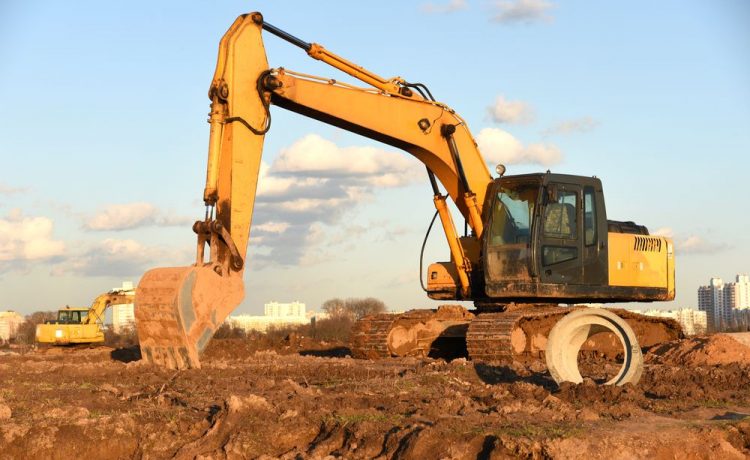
[[712, 350]]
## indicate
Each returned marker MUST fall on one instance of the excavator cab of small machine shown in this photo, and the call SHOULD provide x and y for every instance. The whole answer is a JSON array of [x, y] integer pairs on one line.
[[70, 316]]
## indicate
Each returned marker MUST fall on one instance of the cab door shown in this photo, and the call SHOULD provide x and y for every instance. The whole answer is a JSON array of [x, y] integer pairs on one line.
[[595, 236], [561, 235]]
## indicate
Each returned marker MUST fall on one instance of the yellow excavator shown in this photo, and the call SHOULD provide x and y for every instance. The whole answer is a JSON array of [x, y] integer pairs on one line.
[[81, 325], [533, 241]]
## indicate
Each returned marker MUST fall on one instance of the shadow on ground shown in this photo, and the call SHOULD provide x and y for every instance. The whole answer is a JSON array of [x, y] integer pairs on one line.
[[336, 352], [127, 354], [504, 374]]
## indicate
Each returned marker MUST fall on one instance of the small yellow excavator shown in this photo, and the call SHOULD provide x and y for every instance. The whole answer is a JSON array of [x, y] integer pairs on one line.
[[533, 241], [81, 325]]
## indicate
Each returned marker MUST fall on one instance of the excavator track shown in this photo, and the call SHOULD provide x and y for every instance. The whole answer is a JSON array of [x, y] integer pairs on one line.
[[518, 333], [370, 334], [498, 336]]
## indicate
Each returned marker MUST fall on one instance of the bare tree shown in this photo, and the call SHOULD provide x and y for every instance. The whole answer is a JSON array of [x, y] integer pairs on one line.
[[335, 308], [353, 308], [360, 308], [27, 330]]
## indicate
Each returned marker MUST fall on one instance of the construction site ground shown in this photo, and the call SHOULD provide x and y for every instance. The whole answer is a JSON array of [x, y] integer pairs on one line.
[[309, 399]]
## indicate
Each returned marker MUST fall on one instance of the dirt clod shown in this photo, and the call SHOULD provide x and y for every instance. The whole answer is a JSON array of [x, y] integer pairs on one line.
[[5, 412]]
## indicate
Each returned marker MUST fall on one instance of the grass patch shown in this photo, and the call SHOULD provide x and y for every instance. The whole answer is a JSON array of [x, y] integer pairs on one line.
[[434, 379], [96, 413], [528, 430], [713, 403], [351, 419]]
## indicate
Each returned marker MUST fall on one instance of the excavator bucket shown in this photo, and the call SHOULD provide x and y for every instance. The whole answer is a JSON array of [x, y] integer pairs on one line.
[[177, 311]]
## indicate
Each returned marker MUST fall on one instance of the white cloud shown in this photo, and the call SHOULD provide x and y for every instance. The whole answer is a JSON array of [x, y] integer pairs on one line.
[[8, 190], [123, 216], [694, 244], [317, 157], [272, 227], [131, 215], [440, 8], [505, 111], [313, 252], [25, 239], [664, 231], [272, 185], [499, 146], [690, 244], [521, 11], [578, 125], [315, 182], [121, 258]]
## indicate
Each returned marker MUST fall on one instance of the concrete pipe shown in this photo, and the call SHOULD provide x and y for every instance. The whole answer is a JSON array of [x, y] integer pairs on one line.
[[570, 333]]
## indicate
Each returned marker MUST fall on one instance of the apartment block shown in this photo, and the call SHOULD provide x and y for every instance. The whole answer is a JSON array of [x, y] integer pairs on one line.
[[722, 301]]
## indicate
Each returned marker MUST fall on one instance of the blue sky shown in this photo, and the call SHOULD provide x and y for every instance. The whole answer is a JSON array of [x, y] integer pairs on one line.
[[103, 134]]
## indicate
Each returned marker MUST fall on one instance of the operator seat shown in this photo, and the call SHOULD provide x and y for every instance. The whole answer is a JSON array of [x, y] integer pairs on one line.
[[559, 220]]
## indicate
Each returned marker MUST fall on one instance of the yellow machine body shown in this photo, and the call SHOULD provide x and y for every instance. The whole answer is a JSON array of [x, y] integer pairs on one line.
[[641, 261], [63, 333]]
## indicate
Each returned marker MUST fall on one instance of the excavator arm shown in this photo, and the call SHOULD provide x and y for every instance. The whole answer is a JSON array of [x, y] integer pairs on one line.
[[104, 301], [178, 309]]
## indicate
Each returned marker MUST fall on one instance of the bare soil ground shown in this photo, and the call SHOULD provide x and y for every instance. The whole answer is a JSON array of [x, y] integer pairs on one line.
[[310, 400]]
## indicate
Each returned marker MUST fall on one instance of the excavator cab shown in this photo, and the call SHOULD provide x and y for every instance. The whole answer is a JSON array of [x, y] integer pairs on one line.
[[70, 316], [546, 237]]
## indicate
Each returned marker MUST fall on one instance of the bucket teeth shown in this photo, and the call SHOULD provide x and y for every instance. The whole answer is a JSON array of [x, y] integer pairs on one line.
[[169, 357]]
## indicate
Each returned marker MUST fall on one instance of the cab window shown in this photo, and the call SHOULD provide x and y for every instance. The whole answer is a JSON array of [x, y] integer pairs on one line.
[[589, 216], [560, 216], [512, 214]]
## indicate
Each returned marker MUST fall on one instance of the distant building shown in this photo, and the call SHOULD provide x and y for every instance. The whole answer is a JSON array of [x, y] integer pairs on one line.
[[123, 315], [284, 310], [10, 321], [693, 322], [721, 301], [276, 314], [737, 294], [711, 300]]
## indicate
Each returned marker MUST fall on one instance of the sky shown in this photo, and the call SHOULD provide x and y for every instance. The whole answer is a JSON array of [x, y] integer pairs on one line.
[[103, 136]]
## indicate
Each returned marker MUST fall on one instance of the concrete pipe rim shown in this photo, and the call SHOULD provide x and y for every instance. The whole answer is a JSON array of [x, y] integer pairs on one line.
[[570, 333]]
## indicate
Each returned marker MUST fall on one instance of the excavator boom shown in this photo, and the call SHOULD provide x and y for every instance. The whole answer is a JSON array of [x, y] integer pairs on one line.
[[178, 309]]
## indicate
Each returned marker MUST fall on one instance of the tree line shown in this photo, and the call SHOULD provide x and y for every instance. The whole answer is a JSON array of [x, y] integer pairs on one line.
[[353, 308]]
